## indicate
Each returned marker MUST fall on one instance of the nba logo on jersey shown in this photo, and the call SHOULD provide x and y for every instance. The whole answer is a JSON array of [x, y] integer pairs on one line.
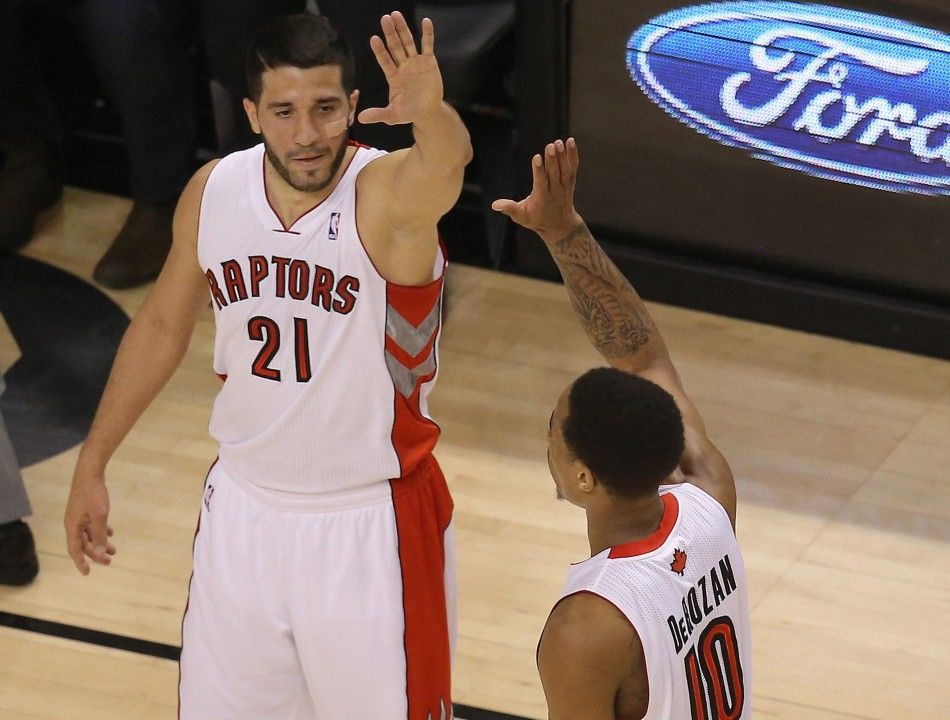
[[208, 493], [334, 225]]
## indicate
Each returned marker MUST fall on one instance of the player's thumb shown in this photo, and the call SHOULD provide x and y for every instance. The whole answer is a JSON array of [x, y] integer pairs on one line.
[[375, 115], [509, 208]]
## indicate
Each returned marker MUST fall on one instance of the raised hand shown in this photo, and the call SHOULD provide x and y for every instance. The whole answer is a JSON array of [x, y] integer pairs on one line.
[[415, 82], [549, 209]]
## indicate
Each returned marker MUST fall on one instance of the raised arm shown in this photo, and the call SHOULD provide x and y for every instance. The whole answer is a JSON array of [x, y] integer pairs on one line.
[[611, 312], [411, 189], [151, 350]]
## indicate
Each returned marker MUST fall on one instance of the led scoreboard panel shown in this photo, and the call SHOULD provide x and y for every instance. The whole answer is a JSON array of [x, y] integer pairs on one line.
[[790, 135]]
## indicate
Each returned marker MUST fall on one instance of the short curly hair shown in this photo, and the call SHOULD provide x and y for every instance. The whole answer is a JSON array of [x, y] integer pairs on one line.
[[626, 429]]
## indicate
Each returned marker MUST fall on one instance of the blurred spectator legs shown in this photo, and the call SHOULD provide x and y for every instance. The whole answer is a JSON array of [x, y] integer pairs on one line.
[[31, 177], [142, 53]]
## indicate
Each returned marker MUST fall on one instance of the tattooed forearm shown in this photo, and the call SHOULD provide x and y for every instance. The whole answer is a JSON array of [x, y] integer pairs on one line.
[[612, 314]]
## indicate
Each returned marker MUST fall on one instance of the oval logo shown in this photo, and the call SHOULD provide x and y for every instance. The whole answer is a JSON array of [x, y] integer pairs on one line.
[[838, 94]]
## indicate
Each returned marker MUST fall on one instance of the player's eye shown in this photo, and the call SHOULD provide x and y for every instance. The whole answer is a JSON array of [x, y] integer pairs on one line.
[[282, 113]]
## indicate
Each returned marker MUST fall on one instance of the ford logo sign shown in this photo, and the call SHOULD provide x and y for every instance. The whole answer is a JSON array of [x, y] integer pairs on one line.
[[837, 94]]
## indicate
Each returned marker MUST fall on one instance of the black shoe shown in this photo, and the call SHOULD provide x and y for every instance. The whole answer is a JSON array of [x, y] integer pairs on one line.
[[139, 250], [30, 182], [18, 561]]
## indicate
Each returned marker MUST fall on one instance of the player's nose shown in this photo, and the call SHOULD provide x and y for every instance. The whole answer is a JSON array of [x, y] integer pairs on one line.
[[307, 131]]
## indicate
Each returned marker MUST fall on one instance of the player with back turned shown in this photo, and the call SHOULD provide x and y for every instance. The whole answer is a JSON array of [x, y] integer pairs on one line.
[[655, 624], [323, 582]]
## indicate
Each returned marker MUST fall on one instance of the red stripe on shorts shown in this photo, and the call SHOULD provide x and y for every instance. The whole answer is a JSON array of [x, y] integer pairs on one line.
[[423, 510]]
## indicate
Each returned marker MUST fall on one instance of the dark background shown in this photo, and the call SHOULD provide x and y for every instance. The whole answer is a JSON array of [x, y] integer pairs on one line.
[[689, 221], [650, 177]]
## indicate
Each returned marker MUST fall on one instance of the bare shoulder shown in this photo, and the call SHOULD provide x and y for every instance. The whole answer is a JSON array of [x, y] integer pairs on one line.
[[381, 170], [181, 290], [189, 204], [587, 653], [200, 178], [376, 184], [587, 626]]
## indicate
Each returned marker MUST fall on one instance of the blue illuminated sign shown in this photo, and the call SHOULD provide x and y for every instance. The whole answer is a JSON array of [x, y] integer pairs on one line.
[[838, 94]]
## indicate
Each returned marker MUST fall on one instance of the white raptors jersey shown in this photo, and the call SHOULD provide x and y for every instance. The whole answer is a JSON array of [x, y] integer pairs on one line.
[[684, 591], [326, 365]]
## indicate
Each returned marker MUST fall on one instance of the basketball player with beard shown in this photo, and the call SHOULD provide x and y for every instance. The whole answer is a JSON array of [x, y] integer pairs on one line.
[[655, 624], [323, 582]]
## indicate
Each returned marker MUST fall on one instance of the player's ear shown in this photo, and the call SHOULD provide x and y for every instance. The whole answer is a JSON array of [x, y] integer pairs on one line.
[[250, 109], [586, 482]]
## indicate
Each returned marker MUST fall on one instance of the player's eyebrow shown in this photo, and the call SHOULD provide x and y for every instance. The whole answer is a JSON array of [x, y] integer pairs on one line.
[[329, 100]]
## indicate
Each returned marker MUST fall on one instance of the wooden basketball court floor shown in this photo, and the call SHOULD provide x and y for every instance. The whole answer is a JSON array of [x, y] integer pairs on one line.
[[841, 452]]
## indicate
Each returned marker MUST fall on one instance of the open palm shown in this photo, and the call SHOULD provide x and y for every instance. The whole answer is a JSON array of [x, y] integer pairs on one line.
[[550, 206], [415, 82]]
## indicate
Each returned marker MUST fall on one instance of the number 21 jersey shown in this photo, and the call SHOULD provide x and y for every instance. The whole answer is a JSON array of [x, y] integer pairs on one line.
[[327, 366]]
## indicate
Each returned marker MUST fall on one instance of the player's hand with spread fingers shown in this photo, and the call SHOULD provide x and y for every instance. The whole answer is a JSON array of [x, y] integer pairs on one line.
[[86, 521], [415, 81], [549, 209]]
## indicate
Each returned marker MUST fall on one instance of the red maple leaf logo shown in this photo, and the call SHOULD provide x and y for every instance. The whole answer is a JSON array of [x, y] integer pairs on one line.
[[679, 561]]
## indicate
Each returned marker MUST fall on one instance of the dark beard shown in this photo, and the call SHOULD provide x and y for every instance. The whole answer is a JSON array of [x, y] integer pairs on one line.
[[284, 172]]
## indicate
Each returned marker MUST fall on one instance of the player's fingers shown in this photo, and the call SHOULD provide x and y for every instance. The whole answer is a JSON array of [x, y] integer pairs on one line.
[[573, 157], [98, 534], [109, 547], [428, 37], [383, 57], [393, 43], [539, 180], [550, 167], [96, 545], [377, 115], [74, 544], [563, 169], [97, 554], [405, 34], [569, 165]]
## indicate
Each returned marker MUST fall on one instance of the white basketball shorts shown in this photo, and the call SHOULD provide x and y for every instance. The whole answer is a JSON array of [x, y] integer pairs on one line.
[[323, 608]]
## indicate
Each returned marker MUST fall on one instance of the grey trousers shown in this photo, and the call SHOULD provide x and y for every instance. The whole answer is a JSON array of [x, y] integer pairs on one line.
[[14, 504]]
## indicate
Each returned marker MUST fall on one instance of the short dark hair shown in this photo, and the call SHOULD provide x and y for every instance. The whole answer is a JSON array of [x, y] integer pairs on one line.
[[626, 429], [302, 41]]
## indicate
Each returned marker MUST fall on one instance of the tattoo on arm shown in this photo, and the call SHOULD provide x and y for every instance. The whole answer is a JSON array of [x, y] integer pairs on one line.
[[612, 314]]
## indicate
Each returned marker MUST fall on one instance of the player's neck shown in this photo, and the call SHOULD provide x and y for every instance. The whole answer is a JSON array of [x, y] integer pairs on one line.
[[612, 521]]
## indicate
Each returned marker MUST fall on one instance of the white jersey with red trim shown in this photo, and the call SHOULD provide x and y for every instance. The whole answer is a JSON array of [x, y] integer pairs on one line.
[[326, 365], [684, 591]]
